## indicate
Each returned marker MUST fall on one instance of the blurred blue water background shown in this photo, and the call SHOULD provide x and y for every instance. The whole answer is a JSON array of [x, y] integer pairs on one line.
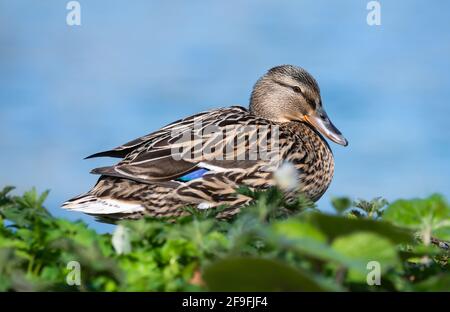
[[134, 66]]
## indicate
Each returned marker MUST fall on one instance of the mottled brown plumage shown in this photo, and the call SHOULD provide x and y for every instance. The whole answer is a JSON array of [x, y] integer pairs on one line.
[[154, 176]]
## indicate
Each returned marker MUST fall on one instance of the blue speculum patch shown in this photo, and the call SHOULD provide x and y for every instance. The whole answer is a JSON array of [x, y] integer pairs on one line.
[[193, 175]]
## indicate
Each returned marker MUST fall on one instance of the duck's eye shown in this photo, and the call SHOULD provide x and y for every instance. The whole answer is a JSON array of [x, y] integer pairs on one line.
[[297, 89]]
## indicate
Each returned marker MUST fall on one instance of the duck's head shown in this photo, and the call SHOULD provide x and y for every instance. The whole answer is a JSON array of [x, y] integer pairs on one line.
[[289, 93]]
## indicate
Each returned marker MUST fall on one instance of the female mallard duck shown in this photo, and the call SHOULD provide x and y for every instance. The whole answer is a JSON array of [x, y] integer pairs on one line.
[[200, 160]]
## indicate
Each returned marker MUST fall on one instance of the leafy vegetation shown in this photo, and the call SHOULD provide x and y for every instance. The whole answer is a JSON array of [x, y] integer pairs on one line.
[[271, 245]]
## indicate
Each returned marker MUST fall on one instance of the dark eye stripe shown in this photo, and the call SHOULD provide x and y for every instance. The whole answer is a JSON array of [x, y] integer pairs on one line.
[[311, 103], [297, 89]]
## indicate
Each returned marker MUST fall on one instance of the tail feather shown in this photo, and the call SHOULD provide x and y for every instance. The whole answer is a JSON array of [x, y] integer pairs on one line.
[[94, 205]]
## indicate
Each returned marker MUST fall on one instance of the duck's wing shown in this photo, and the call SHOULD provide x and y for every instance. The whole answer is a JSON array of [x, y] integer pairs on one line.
[[217, 140], [124, 149]]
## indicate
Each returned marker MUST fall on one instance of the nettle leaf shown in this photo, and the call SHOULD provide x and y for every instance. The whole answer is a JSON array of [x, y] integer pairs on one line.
[[430, 216], [15, 216], [305, 240], [439, 282], [443, 232], [334, 226], [313, 245], [308, 250], [373, 208], [25, 210], [363, 248], [4, 195], [296, 229], [258, 274], [340, 204]]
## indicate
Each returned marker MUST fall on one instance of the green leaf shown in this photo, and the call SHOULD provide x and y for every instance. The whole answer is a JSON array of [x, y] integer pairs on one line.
[[340, 204], [364, 247], [270, 245], [442, 232], [373, 208], [334, 226], [304, 239], [257, 274], [296, 229], [439, 282], [429, 216], [4, 193]]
